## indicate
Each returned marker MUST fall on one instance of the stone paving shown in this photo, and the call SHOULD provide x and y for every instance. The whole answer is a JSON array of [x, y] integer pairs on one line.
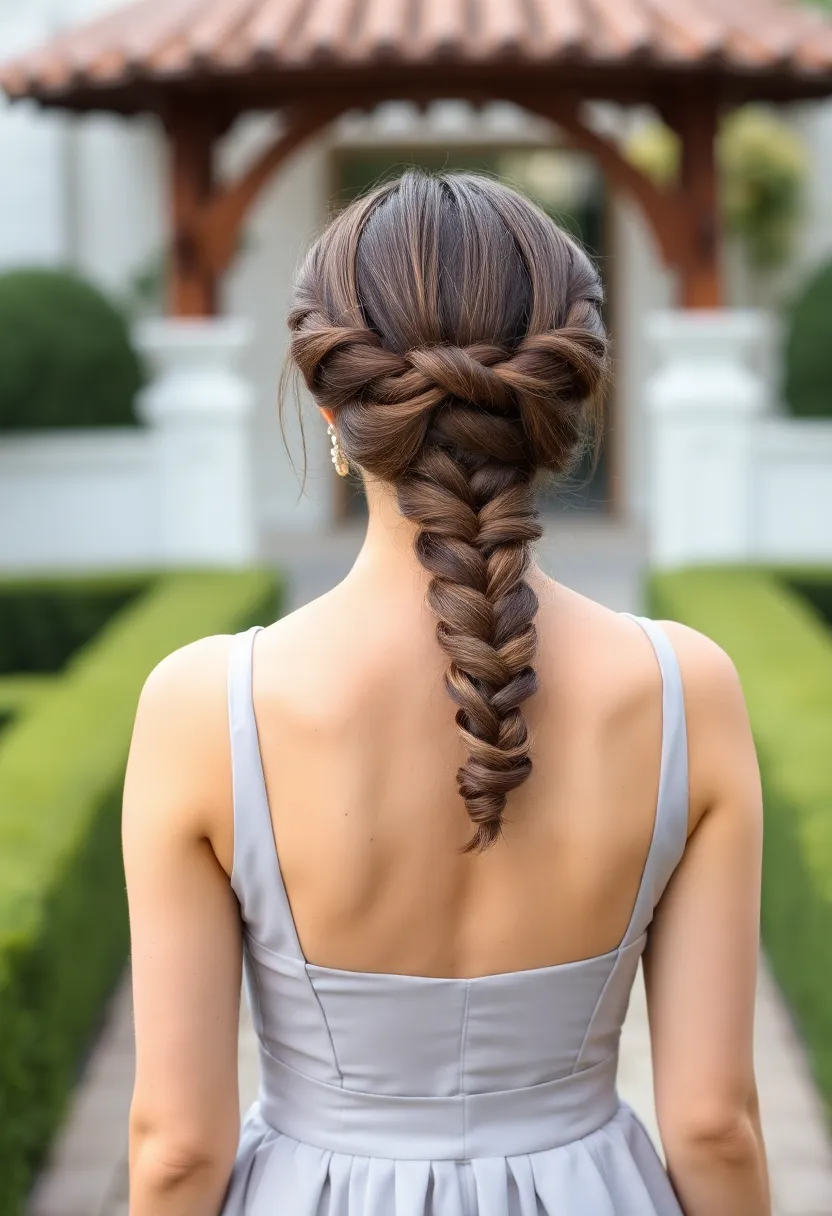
[[87, 1172]]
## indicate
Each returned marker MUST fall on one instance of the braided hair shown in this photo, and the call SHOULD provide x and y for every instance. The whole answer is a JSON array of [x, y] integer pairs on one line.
[[455, 332]]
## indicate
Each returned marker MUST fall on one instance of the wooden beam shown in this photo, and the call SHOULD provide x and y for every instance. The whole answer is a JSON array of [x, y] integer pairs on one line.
[[661, 206], [221, 217], [695, 119], [191, 281]]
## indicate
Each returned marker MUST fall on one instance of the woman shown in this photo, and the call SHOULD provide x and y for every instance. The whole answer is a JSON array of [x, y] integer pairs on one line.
[[439, 969]]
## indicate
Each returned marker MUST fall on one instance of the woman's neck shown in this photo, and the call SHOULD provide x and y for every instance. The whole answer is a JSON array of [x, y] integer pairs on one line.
[[388, 553], [387, 558]]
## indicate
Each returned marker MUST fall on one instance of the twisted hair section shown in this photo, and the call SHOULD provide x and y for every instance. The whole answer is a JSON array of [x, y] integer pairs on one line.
[[455, 332]]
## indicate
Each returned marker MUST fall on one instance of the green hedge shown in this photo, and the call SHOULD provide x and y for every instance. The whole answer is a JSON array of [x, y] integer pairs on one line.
[[44, 621], [808, 356], [814, 585], [66, 354], [63, 922], [782, 648], [18, 694]]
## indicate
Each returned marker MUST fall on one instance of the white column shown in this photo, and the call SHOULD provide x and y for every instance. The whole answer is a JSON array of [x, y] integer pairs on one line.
[[200, 409], [120, 179], [703, 403]]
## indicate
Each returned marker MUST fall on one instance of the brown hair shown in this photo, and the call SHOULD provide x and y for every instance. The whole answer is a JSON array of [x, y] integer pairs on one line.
[[456, 332]]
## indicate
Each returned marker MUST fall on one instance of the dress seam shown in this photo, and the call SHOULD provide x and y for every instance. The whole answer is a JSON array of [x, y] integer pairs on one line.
[[596, 1007], [463, 1045], [336, 1062], [252, 972]]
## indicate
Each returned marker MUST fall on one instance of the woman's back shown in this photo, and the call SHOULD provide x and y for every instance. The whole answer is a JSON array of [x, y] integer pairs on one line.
[[359, 751]]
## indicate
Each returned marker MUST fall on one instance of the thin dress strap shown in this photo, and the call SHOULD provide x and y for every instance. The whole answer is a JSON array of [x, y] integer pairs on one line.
[[670, 830], [255, 878]]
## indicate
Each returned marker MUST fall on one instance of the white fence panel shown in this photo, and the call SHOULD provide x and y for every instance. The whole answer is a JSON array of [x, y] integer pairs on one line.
[[793, 461], [730, 480], [75, 499]]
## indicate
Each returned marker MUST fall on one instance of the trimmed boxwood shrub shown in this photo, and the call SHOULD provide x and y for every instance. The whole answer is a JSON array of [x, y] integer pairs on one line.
[[18, 693], [808, 386], [815, 586], [63, 917], [782, 648], [44, 621], [66, 354]]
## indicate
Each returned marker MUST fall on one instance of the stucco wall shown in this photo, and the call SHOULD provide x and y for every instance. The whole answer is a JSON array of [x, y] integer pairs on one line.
[[284, 221]]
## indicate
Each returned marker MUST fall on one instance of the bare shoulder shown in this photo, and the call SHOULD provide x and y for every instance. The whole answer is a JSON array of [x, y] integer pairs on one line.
[[178, 784], [722, 759], [710, 679], [179, 767], [186, 683]]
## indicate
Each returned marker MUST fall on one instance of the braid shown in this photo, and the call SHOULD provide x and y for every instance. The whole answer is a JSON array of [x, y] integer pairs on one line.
[[460, 418], [476, 518]]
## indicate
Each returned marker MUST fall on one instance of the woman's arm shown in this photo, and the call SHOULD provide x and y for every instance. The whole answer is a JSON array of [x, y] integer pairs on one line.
[[186, 942], [701, 960]]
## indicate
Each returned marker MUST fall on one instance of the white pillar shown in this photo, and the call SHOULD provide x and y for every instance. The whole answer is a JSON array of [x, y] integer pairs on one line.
[[703, 402], [200, 409]]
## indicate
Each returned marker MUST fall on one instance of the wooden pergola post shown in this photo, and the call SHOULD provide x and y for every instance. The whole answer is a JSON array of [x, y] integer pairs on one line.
[[695, 119], [192, 284]]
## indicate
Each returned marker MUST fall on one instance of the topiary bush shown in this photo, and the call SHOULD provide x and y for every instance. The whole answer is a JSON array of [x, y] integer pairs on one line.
[[808, 387], [65, 353]]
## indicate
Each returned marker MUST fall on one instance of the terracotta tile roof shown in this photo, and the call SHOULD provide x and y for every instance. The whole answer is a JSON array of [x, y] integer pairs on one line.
[[774, 47]]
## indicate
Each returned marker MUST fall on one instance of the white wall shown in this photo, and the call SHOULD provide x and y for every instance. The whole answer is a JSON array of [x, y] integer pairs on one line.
[[78, 499], [75, 191], [119, 179], [731, 478], [814, 124], [640, 286], [284, 221], [792, 503], [34, 222]]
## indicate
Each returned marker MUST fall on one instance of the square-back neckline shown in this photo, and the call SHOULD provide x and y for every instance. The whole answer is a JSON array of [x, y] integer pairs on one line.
[[257, 878]]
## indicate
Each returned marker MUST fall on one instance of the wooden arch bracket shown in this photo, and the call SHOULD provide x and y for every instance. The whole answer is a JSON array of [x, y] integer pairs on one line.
[[684, 218], [207, 216], [659, 205], [222, 217]]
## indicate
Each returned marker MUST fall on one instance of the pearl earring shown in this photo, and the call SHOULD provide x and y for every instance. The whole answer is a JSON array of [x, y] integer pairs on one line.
[[338, 458]]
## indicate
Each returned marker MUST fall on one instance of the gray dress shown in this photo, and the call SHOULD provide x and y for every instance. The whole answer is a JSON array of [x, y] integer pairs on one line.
[[392, 1095]]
